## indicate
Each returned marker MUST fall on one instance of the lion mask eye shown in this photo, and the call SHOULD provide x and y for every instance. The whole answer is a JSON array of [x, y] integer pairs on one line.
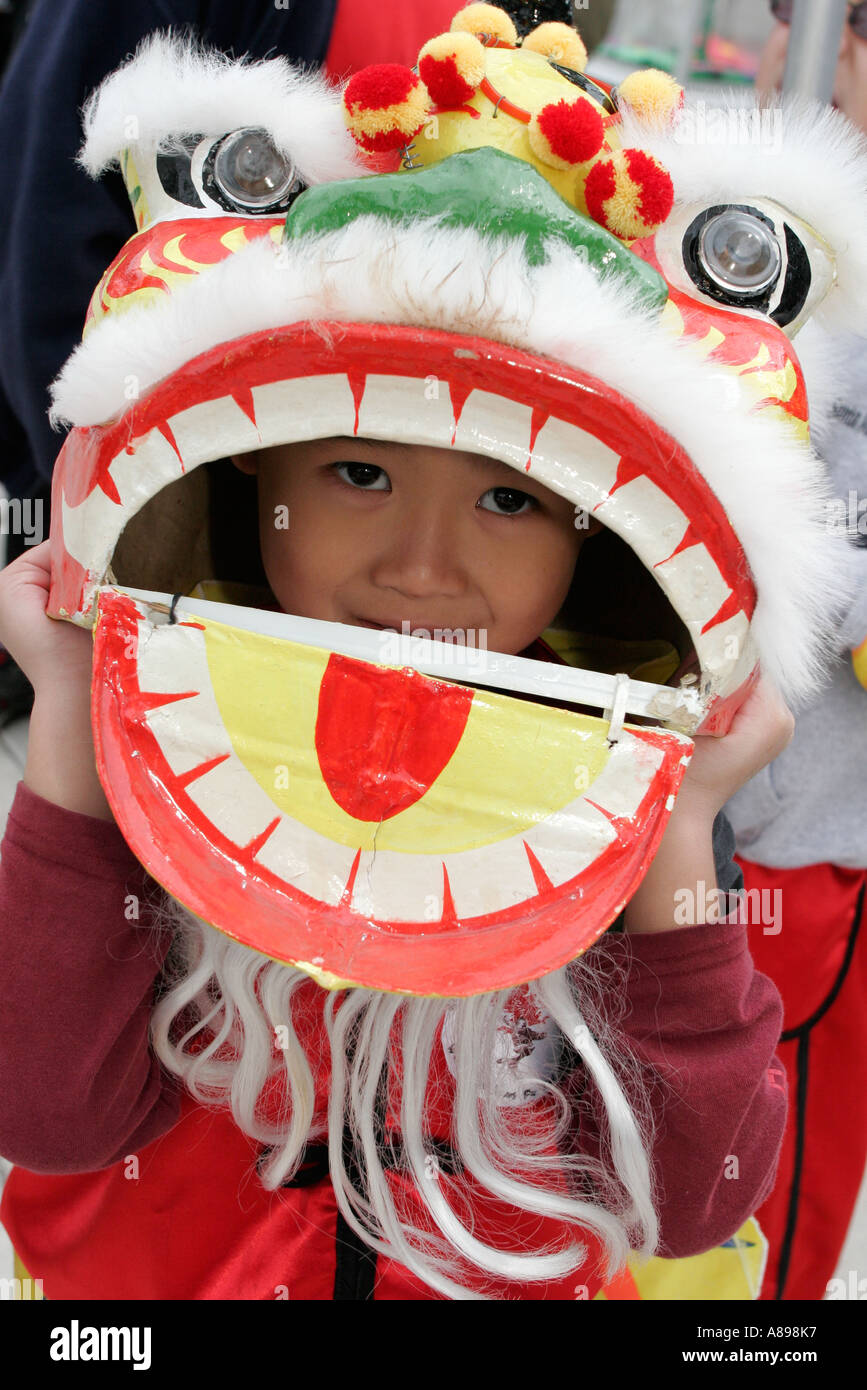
[[747, 256], [241, 172]]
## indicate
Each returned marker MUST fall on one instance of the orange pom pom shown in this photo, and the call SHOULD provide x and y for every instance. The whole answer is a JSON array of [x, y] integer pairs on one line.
[[564, 133], [451, 67], [488, 22], [654, 96], [385, 106], [629, 193], [560, 43]]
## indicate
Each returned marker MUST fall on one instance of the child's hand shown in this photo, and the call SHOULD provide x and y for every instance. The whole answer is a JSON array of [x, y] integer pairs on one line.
[[721, 764], [57, 659], [51, 654], [684, 861]]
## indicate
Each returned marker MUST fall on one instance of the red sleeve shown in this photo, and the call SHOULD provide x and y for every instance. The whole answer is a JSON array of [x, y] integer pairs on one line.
[[79, 1085], [706, 1024], [391, 31]]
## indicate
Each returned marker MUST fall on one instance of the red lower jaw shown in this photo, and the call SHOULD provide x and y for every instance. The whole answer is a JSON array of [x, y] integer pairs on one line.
[[227, 885]]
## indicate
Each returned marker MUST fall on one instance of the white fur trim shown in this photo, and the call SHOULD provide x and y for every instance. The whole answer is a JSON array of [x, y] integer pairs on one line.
[[173, 86], [772, 487], [801, 154]]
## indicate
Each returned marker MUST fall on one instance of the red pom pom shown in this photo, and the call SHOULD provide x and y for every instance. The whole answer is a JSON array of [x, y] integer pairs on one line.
[[629, 193], [657, 191], [599, 187], [443, 81], [382, 85], [385, 106], [573, 129]]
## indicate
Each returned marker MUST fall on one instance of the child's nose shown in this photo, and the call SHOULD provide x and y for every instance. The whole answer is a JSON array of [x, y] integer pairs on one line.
[[424, 555]]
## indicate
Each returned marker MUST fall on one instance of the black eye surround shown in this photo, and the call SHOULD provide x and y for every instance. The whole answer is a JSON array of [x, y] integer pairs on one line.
[[587, 85], [173, 170], [216, 191], [798, 276]]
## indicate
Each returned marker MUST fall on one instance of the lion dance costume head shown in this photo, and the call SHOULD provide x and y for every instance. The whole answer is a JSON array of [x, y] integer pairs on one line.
[[494, 253]]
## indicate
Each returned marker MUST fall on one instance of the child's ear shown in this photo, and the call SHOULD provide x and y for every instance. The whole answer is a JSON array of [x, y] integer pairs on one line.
[[247, 463]]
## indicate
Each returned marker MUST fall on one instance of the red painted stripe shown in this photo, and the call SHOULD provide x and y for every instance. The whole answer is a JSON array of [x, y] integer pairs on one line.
[[195, 773], [501, 103]]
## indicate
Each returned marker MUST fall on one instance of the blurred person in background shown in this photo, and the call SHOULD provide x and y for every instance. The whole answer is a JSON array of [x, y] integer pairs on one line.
[[801, 828]]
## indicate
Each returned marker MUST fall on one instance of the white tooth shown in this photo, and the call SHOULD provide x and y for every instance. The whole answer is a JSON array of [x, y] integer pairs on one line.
[[171, 657], [388, 884], [695, 586], [573, 462], [490, 879], [141, 475], [307, 860], [492, 425], [554, 842], [304, 408], [233, 801], [623, 782], [91, 529], [189, 732], [422, 404], [727, 650], [197, 428], [646, 518]]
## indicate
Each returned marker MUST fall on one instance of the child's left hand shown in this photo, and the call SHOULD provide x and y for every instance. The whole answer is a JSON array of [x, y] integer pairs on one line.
[[760, 730], [720, 765]]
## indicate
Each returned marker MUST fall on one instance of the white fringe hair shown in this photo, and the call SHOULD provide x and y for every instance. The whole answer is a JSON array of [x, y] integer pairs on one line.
[[227, 1000], [175, 85]]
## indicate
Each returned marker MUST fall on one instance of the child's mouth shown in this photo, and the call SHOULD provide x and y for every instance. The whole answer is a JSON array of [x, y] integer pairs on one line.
[[422, 626]]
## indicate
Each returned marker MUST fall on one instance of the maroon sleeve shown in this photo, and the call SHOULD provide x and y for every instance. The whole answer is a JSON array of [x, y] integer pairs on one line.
[[79, 957], [706, 1024]]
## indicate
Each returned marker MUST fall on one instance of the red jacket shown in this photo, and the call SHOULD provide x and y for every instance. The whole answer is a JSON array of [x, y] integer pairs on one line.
[[172, 1208]]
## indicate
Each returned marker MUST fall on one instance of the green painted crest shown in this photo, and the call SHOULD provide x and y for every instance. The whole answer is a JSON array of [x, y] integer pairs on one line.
[[488, 190]]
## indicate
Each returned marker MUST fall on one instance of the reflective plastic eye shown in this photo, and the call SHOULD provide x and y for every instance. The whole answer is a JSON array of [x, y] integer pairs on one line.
[[246, 172], [739, 252]]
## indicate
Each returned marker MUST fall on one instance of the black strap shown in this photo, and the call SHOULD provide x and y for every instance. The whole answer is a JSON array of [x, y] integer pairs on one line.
[[355, 1270], [355, 1267]]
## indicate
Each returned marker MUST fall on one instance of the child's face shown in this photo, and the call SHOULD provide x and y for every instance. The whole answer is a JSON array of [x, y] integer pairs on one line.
[[377, 534]]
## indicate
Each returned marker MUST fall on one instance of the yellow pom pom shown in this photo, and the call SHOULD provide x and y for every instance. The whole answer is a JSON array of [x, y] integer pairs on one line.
[[654, 96], [560, 43], [487, 22], [451, 66], [859, 662]]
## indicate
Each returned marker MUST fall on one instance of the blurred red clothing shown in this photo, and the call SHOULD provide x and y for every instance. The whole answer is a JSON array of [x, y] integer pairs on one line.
[[818, 961]]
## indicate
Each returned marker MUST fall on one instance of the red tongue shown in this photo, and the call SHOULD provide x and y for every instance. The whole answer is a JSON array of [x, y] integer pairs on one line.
[[383, 736]]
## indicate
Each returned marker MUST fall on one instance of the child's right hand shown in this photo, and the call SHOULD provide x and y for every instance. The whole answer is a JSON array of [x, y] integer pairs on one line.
[[52, 654], [56, 657]]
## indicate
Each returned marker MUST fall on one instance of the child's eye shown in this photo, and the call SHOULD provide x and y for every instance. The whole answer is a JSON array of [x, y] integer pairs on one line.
[[509, 499], [363, 475]]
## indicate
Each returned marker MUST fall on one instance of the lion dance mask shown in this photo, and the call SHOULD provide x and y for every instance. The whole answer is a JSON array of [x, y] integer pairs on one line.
[[490, 253]]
